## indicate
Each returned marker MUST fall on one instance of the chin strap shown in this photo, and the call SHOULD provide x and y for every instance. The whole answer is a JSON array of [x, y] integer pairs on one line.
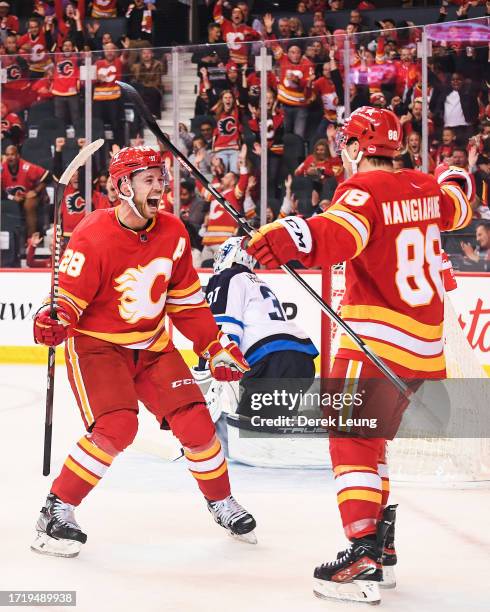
[[353, 162], [129, 200]]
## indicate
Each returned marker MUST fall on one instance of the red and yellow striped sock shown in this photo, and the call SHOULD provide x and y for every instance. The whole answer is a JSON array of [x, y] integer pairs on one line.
[[207, 464], [82, 470]]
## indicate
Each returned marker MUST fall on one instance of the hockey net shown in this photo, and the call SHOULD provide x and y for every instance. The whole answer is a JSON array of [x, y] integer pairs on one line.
[[451, 459], [435, 461]]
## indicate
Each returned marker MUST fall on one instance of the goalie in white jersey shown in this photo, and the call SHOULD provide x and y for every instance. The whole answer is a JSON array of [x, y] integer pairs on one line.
[[280, 354]]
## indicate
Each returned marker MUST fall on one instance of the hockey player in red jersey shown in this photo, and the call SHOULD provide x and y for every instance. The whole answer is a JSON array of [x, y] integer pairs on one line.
[[124, 270], [386, 225]]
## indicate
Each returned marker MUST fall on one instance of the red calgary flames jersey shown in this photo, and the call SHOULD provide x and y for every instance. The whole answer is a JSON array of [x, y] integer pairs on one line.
[[73, 208], [39, 57], [227, 132], [66, 78], [293, 81], [118, 285], [236, 36], [26, 178], [108, 73], [387, 226]]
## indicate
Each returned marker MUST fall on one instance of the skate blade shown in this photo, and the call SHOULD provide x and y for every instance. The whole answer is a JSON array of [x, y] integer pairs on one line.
[[389, 578], [362, 591], [46, 545], [248, 538]]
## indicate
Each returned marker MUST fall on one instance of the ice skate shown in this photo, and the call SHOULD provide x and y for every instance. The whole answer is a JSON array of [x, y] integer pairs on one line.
[[354, 576], [389, 558], [58, 533], [229, 514]]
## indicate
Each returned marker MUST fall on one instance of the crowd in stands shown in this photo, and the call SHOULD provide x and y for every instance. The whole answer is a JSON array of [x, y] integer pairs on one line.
[[45, 58]]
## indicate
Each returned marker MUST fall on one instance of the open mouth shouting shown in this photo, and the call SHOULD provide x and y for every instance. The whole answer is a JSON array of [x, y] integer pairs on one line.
[[152, 203]]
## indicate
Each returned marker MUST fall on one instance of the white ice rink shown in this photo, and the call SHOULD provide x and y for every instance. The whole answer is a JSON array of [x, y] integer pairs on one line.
[[152, 545]]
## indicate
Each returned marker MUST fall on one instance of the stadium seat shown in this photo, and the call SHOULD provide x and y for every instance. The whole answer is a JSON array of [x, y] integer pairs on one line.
[[294, 152], [12, 224], [40, 111], [38, 152], [97, 128]]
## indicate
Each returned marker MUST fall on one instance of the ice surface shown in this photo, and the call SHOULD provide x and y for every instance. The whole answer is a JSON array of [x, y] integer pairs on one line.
[[152, 545]]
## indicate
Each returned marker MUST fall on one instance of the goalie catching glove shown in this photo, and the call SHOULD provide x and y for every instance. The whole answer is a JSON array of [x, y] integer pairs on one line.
[[48, 331], [225, 359], [277, 243]]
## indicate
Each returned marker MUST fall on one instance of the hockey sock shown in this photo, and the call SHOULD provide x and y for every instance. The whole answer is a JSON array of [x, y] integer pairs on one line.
[[207, 464], [82, 470], [358, 484], [93, 454]]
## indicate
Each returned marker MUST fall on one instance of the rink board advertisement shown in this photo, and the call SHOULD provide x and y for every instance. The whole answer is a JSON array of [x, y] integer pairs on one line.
[[23, 291]]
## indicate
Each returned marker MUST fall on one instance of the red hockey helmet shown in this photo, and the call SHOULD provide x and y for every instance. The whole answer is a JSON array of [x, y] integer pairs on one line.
[[129, 160], [378, 131]]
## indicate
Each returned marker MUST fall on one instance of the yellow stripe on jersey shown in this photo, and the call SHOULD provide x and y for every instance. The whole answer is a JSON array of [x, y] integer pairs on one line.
[[184, 292], [347, 226], [124, 337], [77, 375], [463, 212], [397, 355], [171, 309], [386, 315], [359, 218], [359, 495], [78, 301]]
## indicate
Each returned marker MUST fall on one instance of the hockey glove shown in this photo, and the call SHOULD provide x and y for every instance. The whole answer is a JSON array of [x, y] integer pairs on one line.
[[452, 174], [226, 361], [277, 243], [48, 331]]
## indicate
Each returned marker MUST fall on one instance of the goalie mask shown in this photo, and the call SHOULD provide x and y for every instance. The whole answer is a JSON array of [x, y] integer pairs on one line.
[[377, 130], [130, 160], [231, 252]]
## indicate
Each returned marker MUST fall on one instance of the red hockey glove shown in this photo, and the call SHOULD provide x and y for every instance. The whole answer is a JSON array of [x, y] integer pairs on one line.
[[48, 331], [453, 174], [277, 243], [226, 361]]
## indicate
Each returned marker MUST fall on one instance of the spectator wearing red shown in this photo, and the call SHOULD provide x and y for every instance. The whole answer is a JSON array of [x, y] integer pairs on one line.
[[412, 121], [42, 89], [34, 43], [220, 225], [69, 27], [107, 93], [9, 24], [446, 147], [227, 133], [12, 127], [32, 243], [253, 85], [296, 74], [24, 183], [103, 9], [236, 82], [324, 90], [408, 73], [319, 166], [236, 32], [66, 84]]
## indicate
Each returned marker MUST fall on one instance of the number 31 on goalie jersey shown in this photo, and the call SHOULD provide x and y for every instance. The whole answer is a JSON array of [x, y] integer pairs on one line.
[[414, 249]]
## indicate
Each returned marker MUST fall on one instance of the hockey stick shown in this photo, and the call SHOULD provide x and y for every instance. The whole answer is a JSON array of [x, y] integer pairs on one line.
[[66, 177], [153, 126]]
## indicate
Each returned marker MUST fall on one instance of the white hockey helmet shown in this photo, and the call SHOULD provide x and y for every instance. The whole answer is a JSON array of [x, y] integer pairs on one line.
[[231, 252]]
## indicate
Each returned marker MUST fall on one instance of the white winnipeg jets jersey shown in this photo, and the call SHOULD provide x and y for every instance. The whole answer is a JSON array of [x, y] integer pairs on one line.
[[247, 310]]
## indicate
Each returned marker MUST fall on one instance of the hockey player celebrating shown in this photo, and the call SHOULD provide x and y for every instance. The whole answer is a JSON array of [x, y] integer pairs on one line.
[[247, 310], [386, 224], [123, 271]]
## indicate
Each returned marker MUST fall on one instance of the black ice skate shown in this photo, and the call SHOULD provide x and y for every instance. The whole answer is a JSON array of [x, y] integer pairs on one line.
[[58, 533], [229, 514], [389, 558], [355, 574]]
